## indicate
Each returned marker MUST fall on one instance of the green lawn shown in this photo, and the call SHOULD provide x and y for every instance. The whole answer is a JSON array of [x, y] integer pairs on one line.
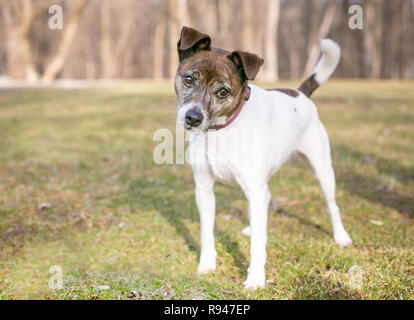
[[118, 220]]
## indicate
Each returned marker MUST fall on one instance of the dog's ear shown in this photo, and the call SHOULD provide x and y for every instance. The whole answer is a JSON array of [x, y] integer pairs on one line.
[[247, 63], [191, 41]]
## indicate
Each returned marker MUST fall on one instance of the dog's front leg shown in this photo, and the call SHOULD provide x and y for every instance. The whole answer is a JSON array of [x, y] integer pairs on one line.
[[206, 205], [258, 198]]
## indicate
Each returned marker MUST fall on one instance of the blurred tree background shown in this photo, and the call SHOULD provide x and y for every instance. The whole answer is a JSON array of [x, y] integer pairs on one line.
[[104, 39]]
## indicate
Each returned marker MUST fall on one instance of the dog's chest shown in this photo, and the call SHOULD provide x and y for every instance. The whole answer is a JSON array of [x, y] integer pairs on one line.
[[223, 160], [228, 154]]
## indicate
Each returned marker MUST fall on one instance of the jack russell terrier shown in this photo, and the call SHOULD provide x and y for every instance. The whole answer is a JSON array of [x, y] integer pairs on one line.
[[215, 98]]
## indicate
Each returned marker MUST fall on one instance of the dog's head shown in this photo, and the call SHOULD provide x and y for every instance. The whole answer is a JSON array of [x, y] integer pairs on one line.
[[210, 82]]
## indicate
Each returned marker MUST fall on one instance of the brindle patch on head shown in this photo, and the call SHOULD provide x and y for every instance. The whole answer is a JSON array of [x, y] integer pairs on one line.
[[290, 92], [211, 71]]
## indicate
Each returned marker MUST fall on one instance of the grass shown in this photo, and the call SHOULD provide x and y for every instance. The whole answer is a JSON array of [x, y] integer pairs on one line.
[[118, 220]]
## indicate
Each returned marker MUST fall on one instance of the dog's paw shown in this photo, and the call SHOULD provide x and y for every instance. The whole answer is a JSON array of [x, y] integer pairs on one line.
[[246, 231], [207, 263], [255, 280], [254, 284], [204, 269], [342, 239]]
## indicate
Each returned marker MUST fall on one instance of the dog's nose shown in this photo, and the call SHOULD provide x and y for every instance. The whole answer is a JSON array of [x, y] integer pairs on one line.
[[193, 118]]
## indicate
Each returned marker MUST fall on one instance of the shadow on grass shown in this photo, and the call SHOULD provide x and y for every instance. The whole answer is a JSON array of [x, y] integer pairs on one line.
[[232, 247], [151, 196], [404, 174], [370, 187], [303, 221], [184, 208]]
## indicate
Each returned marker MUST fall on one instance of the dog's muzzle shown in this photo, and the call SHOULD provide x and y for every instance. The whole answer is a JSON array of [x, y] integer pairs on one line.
[[193, 118]]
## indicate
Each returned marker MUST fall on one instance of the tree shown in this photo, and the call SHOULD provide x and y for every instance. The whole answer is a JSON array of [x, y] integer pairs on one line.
[[158, 57], [53, 69], [20, 60], [106, 52], [290, 29], [178, 17], [372, 54], [19, 17], [134, 39], [313, 49], [271, 59]]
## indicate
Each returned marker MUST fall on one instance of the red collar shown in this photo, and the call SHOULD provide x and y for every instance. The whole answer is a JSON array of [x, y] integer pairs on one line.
[[234, 116]]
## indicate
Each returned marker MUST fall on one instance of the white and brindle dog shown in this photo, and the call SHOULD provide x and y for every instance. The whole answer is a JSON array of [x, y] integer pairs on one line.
[[214, 97]]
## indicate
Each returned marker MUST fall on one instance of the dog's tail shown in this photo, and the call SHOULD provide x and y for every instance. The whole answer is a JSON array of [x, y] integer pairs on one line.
[[331, 53]]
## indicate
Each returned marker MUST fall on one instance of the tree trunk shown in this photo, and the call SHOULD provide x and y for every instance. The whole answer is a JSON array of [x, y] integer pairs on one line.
[[386, 40], [253, 29], [14, 66], [372, 59], [209, 18], [173, 30], [404, 38], [106, 46], [247, 36], [271, 59], [223, 23], [290, 30], [123, 53], [56, 65], [183, 14], [19, 54], [158, 69], [313, 51], [178, 17], [25, 49]]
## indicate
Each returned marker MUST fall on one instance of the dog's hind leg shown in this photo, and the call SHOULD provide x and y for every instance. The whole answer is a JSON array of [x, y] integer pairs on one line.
[[315, 146]]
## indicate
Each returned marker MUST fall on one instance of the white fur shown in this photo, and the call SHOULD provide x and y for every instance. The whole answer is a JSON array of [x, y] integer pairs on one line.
[[278, 125], [331, 53]]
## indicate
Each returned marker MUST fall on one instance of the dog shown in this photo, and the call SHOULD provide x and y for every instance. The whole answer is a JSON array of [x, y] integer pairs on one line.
[[215, 97]]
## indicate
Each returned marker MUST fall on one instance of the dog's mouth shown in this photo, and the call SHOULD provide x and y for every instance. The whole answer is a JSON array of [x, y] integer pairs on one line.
[[204, 126], [201, 128]]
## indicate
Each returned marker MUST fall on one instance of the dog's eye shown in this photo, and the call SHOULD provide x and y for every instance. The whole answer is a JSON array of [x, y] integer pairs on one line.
[[223, 93], [188, 81]]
